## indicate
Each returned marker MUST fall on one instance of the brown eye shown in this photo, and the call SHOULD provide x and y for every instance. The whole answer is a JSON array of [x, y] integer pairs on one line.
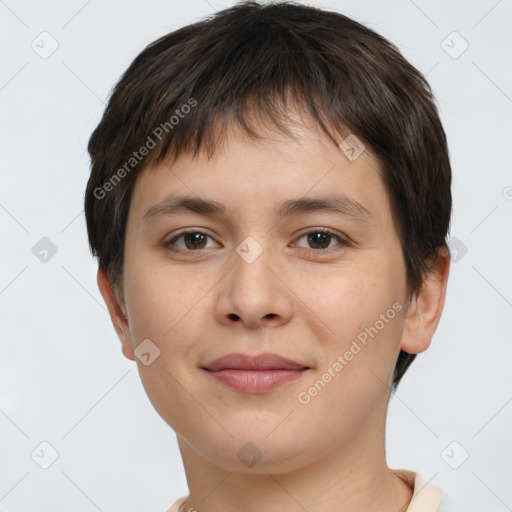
[[319, 240], [322, 239], [193, 240]]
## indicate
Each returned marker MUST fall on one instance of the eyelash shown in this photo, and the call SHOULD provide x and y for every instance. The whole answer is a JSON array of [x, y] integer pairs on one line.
[[342, 241]]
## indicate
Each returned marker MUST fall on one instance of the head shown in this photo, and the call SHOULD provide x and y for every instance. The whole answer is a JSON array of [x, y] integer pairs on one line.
[[256, 106]]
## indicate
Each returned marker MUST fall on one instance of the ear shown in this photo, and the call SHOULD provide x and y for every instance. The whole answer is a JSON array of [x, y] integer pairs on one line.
[[426, 307], [117, 314]]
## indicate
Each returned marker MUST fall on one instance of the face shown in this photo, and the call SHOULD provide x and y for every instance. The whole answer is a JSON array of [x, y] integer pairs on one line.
[[264, 270]]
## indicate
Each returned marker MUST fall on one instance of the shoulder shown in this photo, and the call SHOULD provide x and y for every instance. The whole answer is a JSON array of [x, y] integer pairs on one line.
[[175, 506], [426, 497]]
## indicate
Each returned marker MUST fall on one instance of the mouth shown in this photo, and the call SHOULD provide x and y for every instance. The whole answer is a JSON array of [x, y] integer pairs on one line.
[[255, 374]]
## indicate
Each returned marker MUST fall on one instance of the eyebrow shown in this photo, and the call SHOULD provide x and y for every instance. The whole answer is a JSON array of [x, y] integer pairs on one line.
[[340, 204]]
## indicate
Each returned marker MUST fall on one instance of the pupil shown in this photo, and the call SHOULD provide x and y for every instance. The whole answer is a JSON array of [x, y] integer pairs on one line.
[[196, 238], [319, 238]]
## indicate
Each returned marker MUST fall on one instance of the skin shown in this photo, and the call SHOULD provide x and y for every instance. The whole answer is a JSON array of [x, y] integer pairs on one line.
[[326, 455]]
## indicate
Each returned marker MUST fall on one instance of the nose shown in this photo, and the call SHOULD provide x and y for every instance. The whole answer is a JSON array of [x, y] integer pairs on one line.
[[254, 293]]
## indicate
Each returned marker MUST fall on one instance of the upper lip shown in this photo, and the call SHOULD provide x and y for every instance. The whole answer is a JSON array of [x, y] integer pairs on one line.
[[266, 361]]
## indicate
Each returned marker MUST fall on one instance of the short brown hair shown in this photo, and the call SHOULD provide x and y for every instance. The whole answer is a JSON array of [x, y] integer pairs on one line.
[[242, 65]]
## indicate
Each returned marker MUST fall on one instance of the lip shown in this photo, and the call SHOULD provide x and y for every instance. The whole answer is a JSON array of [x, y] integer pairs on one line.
[[255, 374], [265, 361]]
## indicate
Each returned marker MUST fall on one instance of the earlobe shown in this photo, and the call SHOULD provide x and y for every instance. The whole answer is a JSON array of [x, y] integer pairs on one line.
[[426, 307], [117, 315]]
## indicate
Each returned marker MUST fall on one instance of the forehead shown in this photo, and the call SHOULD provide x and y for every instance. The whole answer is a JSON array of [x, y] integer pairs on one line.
[[245, 174]]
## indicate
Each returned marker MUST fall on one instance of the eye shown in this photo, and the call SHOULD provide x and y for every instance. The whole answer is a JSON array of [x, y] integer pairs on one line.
[[320, 239], [193, 241]]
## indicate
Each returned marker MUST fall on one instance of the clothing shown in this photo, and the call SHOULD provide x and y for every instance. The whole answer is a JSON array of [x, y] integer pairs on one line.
[[426, 498]]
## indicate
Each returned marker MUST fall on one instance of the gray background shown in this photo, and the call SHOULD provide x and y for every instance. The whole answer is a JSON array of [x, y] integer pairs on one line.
[[64, 380]]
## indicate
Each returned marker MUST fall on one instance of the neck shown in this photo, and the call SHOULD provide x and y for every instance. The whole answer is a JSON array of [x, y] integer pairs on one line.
[[349, 478]]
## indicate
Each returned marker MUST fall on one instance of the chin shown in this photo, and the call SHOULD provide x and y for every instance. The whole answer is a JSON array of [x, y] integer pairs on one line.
[[253, 450]]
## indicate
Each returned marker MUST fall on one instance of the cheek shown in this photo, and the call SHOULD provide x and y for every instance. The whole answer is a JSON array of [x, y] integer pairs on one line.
[[351, 383], [363, 308], [167, 309], [161, 301], [354, 298]]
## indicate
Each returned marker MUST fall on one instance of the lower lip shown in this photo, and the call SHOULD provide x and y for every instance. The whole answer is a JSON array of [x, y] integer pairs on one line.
[[256, 381]]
